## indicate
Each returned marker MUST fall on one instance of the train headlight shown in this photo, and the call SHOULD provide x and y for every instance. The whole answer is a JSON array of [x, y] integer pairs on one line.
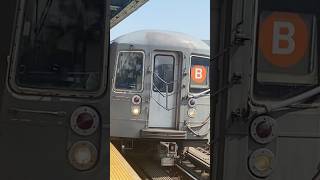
[[135, 110], [192, 112], [84, 120], [83, 155], [263, 129], [261, 163]]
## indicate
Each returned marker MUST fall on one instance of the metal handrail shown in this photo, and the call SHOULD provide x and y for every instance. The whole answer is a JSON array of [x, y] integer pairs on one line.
[[199, 95], [166, 93], [162, 79], [158, 90], [166, 108]]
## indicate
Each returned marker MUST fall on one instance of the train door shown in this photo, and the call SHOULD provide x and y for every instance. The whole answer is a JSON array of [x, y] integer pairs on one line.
[[163, 93]]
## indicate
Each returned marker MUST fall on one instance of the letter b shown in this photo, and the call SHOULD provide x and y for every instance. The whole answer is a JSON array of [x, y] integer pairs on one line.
[[198, 73], [277, 37]]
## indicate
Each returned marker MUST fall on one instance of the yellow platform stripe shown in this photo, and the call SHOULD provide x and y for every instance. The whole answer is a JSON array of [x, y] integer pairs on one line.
[[120, 169]]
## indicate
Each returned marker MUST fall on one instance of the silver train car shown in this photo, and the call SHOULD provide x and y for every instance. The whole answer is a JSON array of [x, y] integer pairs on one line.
[[160, 87]]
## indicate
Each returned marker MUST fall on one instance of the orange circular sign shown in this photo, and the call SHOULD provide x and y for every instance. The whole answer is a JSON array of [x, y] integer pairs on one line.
[[198, 74], [283, 39]]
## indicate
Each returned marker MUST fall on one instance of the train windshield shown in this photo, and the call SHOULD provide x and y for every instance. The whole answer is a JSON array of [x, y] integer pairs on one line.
[[61, 45], [129, 71], [287, 62], [199, 71]]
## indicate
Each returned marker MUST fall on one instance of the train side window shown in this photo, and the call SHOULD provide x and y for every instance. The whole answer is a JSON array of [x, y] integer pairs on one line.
[[163, 73], [199, 74], [129, 71]]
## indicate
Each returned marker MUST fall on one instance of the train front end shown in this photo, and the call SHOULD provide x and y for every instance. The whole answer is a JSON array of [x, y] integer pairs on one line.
[[267, 111], [54, 123], [160, 89]]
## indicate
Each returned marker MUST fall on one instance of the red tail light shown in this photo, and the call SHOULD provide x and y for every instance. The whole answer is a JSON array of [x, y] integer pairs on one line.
[[192, 102], [85, 121], [136, 100], [263, 129]]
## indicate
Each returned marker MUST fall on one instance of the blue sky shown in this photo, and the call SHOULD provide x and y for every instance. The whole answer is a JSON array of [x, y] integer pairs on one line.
[[188, 16]]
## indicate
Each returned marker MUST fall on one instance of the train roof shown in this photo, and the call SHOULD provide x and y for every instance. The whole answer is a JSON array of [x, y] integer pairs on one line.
[[158, 38]]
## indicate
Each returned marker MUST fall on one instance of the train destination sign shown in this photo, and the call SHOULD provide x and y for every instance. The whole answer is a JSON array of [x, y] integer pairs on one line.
[[198, 74], [284, 38], [284, 43]]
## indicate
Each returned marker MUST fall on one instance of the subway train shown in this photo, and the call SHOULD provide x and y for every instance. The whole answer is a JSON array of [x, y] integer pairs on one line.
[[159, 89]]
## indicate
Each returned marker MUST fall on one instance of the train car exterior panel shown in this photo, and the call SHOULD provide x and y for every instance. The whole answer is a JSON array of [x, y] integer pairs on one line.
[[277, 91], [46, 120]]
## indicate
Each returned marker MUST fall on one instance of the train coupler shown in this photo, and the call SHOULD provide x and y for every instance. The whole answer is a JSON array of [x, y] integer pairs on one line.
[[168, 153]]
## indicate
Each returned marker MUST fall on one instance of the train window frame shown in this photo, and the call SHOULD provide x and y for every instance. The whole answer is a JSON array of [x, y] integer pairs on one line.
[[153, 70], [257, 98], [13, 61], [208, 75], [114, 89]]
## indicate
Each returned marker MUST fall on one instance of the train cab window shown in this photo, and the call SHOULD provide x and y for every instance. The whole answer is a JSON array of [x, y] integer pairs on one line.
[[129, 71], [199, 74], [287, 62], [163, 73], [61, 45]]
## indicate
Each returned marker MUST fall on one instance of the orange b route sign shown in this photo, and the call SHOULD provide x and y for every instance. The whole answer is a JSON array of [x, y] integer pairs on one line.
[[284, 39], [198, 74]]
